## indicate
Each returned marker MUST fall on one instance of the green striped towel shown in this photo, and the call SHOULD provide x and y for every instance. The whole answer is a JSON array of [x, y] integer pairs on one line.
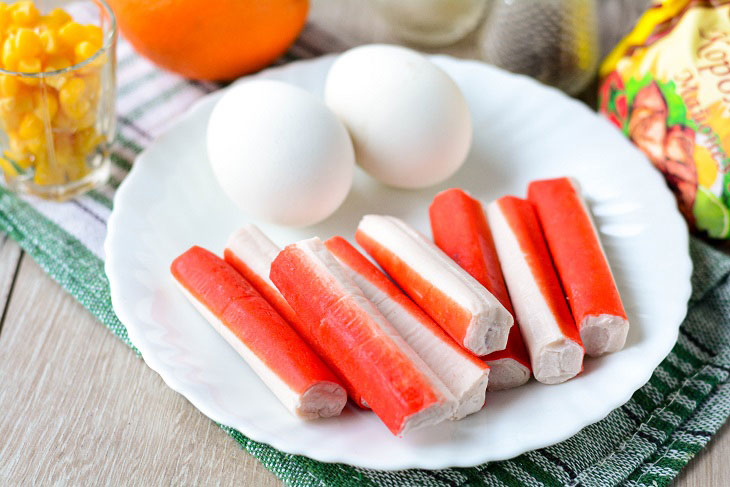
[[645, 442]]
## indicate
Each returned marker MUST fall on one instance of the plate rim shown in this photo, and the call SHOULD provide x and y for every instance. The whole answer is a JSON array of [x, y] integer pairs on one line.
[[111, 268]]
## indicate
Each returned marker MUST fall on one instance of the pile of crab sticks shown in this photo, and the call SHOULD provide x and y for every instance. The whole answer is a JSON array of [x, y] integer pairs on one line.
[[515, 288]]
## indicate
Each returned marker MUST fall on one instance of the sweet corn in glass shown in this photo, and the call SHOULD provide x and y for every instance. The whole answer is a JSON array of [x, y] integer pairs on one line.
[[57, 93]]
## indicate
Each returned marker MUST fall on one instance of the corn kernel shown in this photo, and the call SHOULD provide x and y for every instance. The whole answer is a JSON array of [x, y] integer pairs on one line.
[[87, 120], [27, 43], [50, 42], [57, 63], [4, 16], [84, 50], [99, 61], [17, 145], [9, 85], [10, 57], [36, 145], [72, 91], [8, 118], [13, 164], [24, 162], [24, 13], [86, 140], [72, 33], [94, 34], [41, 176], [46, 104], [63, 124], [68, 158], [11, 117], [30, 127], [20, 103], [63, 145], [36, 159], [29, 65], [57, 80], [56, 18], [78, 111], [76, 169], [8, 168], [47, 174], [93, 84]]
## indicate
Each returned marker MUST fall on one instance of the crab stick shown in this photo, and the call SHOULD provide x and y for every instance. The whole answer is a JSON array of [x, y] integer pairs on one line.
[[397, 385], [459, 227], [556, 351], [462, 373], [455, 300], [290, 369], [581, 264], [251, 253]]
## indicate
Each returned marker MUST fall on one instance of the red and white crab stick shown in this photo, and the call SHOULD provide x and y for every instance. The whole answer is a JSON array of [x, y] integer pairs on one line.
[[462, 373], [581, 264], [289, 368], [455, 300], [460, 229], [397, 385], [556, 351], [251, 253]]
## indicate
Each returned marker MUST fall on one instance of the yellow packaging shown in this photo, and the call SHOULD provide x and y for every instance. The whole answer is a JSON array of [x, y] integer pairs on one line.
[[667, 86]]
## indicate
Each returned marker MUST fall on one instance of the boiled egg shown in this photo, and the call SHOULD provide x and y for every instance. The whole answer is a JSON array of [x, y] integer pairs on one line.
[[409, 121], [279, 153]]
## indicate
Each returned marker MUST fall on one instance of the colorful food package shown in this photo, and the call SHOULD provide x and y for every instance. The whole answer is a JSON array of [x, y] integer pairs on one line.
[[667, 87]]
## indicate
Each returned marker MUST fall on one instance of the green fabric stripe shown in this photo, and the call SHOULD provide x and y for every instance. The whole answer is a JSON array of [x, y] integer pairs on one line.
[[536, 471], [687, 356], [113, 183], [137, 83], [100, 198], [503, 475], [473, 479], [654, 480], [673, 370], [686, 447], [643, 399], [674, 464], [659, 384], [126, 61], [661, 424], [120, 162], [129, 144]]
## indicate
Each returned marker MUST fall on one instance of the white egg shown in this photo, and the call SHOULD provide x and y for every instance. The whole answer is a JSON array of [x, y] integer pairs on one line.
[[279, 153], [409, 122]]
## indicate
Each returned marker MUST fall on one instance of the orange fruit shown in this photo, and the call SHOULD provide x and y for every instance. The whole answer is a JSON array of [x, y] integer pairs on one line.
[[211, 39]]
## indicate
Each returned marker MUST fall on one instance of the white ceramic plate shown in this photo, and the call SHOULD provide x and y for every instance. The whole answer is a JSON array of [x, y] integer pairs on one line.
[[523, 131]]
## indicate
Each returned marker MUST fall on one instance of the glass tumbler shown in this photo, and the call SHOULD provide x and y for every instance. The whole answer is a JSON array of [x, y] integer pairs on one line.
[[57, 121], [431, 23], [554, 41]]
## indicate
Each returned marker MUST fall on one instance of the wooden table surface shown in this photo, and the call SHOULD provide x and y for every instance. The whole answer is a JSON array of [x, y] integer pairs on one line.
[[79, 408]]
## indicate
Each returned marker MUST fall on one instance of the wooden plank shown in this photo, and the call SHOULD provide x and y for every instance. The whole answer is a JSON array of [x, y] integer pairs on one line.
[[79, 408], [710, 466], [10, 254]]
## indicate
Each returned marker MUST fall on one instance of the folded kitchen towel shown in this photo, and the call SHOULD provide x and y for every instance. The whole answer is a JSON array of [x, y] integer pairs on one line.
[[644, 442]]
